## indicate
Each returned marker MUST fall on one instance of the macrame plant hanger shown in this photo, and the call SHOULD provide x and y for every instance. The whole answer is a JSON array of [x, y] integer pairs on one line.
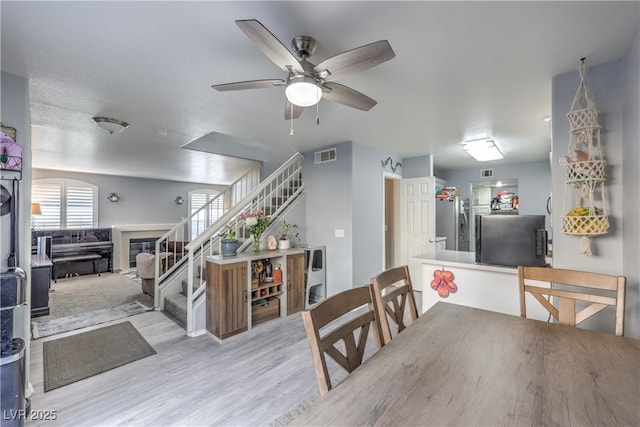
[[586, 170]]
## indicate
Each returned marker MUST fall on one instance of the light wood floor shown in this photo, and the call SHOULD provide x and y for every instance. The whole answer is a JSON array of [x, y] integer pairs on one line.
[[249, 380]]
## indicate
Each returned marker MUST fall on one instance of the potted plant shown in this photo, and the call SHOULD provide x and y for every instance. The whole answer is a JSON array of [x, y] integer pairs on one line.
[[228, 242], [288, 235]]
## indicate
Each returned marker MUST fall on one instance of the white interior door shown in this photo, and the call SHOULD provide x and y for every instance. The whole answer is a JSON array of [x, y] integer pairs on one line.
[[417, 223]]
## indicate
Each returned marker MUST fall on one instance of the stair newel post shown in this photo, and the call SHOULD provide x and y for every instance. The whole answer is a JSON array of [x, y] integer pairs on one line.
[[156, 274], [190, 326]]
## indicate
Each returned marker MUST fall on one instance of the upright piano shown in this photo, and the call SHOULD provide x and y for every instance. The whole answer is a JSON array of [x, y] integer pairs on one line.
[[74, 246]]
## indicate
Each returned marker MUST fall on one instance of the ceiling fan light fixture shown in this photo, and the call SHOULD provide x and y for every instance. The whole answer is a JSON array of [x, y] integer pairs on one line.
[[110, 125], [303, 91], [483, 149]]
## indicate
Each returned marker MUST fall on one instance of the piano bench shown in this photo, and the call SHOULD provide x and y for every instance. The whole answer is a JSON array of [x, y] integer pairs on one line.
[[73, 258]]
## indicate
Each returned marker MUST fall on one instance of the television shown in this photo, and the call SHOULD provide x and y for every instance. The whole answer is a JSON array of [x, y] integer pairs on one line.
[[511, 240]]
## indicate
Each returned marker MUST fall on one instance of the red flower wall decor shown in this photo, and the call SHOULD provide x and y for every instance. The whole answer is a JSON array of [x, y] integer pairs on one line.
[[443, 283]]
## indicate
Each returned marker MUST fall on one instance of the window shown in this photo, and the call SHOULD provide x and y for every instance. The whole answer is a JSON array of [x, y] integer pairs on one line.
[[65, 203], [197, 199]]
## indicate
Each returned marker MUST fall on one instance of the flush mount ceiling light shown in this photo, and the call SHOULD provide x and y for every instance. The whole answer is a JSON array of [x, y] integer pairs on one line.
[[111, 125], [303, 91], [483, 149]]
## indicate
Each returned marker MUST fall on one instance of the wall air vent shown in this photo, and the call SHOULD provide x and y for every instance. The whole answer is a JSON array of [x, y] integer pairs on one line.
[[486, 173], [325, 156]]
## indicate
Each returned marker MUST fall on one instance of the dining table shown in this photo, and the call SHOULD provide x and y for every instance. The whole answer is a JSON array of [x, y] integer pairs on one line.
[[457, 365]]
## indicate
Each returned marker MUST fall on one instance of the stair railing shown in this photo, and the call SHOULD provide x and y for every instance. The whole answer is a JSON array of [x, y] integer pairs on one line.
[[171, 246], [273, 196]]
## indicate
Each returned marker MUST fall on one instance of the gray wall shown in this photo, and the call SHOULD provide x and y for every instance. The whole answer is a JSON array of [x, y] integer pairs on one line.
[[15, 113], [534, 182], [606, 85], [416, 167], [604, 82], [347, 194], [630, 185], [296, 214], [368, 192], [142, 201], [329, 207]]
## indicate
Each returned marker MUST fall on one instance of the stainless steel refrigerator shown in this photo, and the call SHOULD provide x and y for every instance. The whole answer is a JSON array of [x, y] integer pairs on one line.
[[451, 222]]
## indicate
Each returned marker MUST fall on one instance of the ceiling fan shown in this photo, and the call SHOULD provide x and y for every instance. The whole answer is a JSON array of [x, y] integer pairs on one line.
[[307, 83]]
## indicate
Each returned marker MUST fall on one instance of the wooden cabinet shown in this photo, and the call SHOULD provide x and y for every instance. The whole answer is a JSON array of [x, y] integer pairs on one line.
[[295, 283], [241, 294], [227, 299]]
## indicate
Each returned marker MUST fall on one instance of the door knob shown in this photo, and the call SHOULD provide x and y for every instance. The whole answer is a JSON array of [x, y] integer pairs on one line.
[[431, 240]]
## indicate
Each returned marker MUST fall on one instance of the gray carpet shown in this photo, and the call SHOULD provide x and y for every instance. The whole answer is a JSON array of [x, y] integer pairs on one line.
[[76, 295], [78, 302], [76, 357]]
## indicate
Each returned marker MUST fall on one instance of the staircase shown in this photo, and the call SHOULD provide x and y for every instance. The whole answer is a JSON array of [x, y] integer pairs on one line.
[[180, 290]]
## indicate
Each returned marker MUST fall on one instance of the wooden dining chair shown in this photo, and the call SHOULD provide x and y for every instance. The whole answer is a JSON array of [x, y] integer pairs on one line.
[[392, 290], [337, 311], [565, 313]]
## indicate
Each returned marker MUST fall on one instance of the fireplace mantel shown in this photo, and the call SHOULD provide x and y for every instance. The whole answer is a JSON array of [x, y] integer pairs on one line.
[[122, 234]]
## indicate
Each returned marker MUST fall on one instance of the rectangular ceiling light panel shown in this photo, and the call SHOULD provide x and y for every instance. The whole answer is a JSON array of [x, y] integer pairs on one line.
[[483, 149]]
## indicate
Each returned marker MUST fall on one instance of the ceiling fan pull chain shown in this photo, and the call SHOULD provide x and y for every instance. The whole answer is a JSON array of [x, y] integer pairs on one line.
[[291, 118], [317, 105]]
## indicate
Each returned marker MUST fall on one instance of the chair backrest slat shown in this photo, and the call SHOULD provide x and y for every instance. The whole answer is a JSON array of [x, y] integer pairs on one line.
[[332, 310], [565, 313], [393, 294]]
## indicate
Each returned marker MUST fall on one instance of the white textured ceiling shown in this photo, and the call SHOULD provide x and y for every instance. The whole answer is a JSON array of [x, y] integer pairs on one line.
[[462, 70]]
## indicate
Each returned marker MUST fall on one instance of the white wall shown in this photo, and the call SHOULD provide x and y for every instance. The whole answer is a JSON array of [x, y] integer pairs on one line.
[[142, 201]]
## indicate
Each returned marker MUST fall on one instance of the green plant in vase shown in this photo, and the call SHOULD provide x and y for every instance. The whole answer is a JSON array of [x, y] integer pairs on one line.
[[256, 223], [288, 235]]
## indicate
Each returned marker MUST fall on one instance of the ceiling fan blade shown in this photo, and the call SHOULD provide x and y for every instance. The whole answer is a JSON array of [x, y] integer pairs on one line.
[[250, 84], [269, 45], [297, 110], [358, 59], [346, 96]]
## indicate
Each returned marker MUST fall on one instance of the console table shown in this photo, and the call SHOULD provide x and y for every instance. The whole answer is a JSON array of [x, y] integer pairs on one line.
[[237, 300]]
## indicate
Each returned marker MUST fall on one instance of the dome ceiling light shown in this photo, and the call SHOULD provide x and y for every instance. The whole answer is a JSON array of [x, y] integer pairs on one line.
[[110, 125]]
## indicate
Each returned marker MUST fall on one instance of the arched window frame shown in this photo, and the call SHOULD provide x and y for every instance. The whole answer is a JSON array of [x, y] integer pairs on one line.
[[65, 203], [197, 199]]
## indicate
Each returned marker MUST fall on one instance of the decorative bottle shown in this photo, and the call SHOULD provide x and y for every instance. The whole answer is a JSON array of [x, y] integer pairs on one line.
[[277, 274], [268, 270]]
